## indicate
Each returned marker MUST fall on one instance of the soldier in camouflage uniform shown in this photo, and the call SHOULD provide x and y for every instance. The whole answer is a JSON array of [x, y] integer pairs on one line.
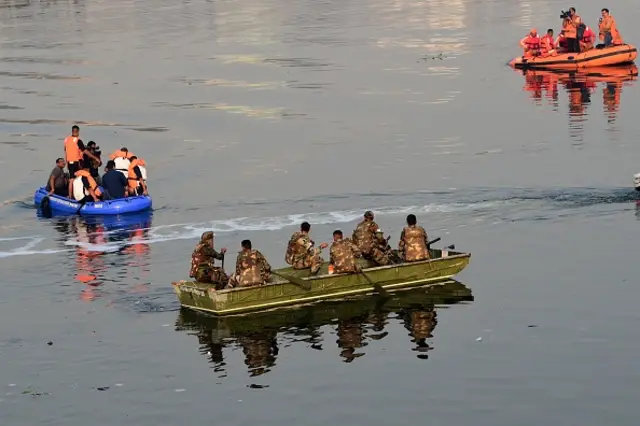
[[343, 254], [202, 263], [252, 269], [413, 241], [364, 236], [300, 251]]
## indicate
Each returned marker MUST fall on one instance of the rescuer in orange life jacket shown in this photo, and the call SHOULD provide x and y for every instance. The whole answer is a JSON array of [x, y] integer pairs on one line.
[[74, 150], [531, 44], [548, 44]]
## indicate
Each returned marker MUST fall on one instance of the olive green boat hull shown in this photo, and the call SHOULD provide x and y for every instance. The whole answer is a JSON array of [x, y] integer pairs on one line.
[[317, 315], [324, 286]]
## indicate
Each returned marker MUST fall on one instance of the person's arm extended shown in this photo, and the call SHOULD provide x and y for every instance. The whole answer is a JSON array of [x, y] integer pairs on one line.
[[52, 180]]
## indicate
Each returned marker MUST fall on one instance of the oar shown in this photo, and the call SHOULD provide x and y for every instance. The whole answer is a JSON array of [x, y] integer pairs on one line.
[[82, 203], [377, 286], [294, 280]]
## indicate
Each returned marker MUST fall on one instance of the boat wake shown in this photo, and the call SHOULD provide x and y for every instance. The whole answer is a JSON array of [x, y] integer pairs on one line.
[[444, 209]]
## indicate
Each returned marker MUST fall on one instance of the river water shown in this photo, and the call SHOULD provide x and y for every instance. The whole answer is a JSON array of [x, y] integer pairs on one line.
[[255, 116]]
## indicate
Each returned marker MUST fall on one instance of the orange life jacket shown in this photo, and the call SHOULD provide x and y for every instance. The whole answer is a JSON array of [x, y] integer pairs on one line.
[[589, 36], [120, 154], [71, 150], [569, 29], [132, 178], [532, 43], [546, 44], [92, 181], [608, 25]]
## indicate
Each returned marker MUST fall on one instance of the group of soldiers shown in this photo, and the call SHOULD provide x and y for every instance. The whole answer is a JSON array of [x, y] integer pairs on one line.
[[367, 242]]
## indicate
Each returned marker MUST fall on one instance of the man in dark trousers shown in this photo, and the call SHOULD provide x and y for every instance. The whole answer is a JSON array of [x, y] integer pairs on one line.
[[114, 183]]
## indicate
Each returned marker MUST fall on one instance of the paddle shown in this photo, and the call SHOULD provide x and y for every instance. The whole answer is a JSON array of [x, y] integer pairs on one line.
[[82, 203], [377, 286], [294, 280]]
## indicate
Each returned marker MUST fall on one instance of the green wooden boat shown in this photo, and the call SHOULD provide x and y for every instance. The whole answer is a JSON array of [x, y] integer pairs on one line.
[[444, 264]]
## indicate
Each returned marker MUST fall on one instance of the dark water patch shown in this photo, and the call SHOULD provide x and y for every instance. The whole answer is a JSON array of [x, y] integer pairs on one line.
[[149, 129], [39, 76], [30, 92], [13, 143], [40, 60], [348, 326], [307, 63], [5, 106], [307, 86]]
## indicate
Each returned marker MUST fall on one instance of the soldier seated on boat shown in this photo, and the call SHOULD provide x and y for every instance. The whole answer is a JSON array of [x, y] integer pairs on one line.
[[202, 263], [343, 254], [364, 236], [252, 269], [413, 241], [300, 251]]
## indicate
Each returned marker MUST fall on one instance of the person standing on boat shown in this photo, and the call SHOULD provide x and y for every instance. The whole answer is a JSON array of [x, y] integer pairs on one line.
[[570, 31], [74, 150], [58, 182], [300, 251], [608, 30], [364, 237], [343, 253], [413, 241], [93, 164], [202, 263], [252, 268]]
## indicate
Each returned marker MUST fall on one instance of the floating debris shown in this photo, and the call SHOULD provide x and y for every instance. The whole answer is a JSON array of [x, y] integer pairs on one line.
[[255, 386], [104, 388], [179, 390], [479, 339], [49, 343], [532, 325]]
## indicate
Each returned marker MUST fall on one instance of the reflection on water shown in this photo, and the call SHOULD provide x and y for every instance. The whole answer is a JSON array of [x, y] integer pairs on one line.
[[580, 86], [96, 261], [356, 323]]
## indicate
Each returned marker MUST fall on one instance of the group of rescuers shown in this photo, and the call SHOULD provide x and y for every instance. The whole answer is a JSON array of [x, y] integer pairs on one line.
[[575, 36], [368, 242], [125, 174]]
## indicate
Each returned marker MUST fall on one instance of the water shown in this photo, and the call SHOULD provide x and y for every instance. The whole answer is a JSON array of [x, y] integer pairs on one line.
[[255, 116]]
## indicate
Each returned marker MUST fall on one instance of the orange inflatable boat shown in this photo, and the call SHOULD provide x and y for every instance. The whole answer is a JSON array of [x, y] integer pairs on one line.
[[606, 56]]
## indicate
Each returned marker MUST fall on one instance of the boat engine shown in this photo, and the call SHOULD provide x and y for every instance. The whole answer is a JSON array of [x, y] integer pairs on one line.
[[636, 181]]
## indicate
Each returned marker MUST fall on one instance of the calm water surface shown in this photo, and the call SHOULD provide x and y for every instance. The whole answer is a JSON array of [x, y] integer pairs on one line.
[[255, 116]]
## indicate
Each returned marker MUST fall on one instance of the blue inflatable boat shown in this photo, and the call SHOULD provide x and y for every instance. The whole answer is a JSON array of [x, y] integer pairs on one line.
[[61, 205]]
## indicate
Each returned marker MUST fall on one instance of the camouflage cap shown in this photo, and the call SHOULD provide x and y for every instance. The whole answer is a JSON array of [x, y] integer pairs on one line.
[[368, 213], [206, 236]]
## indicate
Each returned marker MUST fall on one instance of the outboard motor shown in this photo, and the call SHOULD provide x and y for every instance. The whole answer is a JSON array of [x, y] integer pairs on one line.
[[636, 181]]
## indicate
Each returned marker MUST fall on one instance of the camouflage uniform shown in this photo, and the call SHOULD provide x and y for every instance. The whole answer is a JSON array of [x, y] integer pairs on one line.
[[368, 243], [413, 244], [202, 261], [252, 269], [301, 254], [343, 255]]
